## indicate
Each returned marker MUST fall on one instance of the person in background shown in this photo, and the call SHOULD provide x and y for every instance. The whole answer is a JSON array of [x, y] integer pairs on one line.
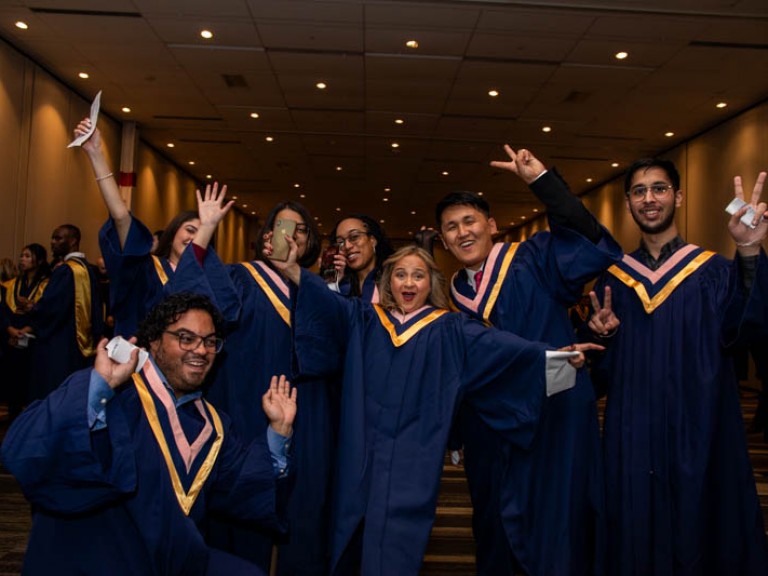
[[526, 516], [21, 294], [156, 235], [182, 260], [122, 463], [681, 491]]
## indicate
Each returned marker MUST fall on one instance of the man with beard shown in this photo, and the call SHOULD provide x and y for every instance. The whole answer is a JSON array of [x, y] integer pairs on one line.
[[68, 320], [122, 468], [681, 495]]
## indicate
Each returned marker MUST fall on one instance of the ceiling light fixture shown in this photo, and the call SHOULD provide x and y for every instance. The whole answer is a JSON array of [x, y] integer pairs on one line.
[[339, 168], [395, 145], [412, 43], [721, 105], [209, 176], [297, 185], [385, 199], [84, 75], [621, 55], [126, 109], [254, 115], [338, 209], [669, 134], [269, 139], [171, 145], [22, 25], [387, 189], [321, 85], [589, 180], [191, 162], [302, 195], [399, 121], [445, 172], [413, 212], [207, 34], [614, 164], [546, 129], [493, 93]]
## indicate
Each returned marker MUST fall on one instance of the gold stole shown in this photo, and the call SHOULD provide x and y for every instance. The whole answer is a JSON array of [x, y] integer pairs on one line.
[[83, 320], [280, 308], [160, 271], [400, 339], [186, 499], [498, 282], [11, 287]]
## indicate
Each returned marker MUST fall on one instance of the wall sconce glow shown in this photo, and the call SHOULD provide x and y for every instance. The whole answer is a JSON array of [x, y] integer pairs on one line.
[[721, 105], [126, 109], [321, 85], [669, 134], [21, 25], [412, 44], [171, 145], [395, 145], [207, 34], [84, 75], [621, 55], [254, 115], [493, 93], [614, 164], [546, 129], [399, 121], [269, 139]]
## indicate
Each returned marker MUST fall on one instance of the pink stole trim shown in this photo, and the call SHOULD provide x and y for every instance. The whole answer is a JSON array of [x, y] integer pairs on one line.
[[276, 278], [375, 295], [656, 275], [397, 315], [473, 304], [188, 452]]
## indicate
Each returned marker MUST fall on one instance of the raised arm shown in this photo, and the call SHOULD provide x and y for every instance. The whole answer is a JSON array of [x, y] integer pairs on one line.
[[563, 207], [211, 210], [748, 239], [106, 180]]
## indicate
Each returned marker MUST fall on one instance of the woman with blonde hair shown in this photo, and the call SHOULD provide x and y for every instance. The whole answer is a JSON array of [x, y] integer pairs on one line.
[[407, 363]]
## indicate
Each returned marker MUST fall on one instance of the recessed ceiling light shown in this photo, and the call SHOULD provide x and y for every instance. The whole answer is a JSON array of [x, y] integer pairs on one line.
[[319, 224], [479, 193], [615, 164], [171, 145], [589, 179], [191, 162], [22, 25], [493, 93], [84, 75], [385, 199], [395, 145], [209, 176], [302, 195], [382, 221], [412, 44], [254, 114], [234, 197], [399, 121], [721, 105], [269, 139], [546, 129], [297, 185], [535, 209], [245, 205], [387, 189], [413, 212], [317, 218], [339, 168], [126, 109], [669, 134], [321, 85], [338, 209], [621, 55], [253, 213], [445, 172], [207, 34], [522, 217]]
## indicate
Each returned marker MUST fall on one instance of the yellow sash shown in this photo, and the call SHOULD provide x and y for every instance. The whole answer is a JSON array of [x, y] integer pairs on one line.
[[83, 320], [499, 282], [280, 308], [11, 286], [400, 339], [160, 271]]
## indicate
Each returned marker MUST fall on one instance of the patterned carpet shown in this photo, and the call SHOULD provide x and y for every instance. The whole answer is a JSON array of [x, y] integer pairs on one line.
[[451, 549]]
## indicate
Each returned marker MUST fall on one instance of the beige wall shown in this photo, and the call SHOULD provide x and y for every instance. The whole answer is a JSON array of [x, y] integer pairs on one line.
[[45, 184]]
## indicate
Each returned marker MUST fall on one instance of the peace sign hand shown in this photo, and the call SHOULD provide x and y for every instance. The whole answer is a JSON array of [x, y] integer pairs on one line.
[[603, 321]]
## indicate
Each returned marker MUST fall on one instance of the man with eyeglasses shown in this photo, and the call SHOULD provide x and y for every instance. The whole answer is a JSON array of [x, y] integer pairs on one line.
[[681, 492], [537, 511], [122, 468]]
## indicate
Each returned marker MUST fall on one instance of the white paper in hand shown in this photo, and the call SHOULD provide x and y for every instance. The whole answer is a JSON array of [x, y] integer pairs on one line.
[[119, 349], [94, 117], [736, 205]]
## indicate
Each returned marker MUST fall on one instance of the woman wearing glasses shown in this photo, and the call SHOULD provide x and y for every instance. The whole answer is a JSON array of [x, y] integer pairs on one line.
[[182, 261], [259, 343], [363, 247]]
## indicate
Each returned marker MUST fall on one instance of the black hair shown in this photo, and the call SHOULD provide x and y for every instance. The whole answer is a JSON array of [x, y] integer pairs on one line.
[[461, 198], [72, 231], [41, 255], [169, 310], [646, 164], [165, 243], [382, 251], [312, 252]]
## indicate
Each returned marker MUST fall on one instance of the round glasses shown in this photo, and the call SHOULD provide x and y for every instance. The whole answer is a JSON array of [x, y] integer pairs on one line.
[[658, 191], [354, 238], [190, 341]]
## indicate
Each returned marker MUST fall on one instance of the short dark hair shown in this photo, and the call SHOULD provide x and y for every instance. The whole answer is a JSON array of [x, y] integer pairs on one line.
[[165, 242], [461, 198], [646, 164], [313, 236], [170, 309], [72, 231]]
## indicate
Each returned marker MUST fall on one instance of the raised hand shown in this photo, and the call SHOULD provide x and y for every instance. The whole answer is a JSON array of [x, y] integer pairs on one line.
[[748, 239], [523, 163], [290, 268], [114, 372], [211, 210], [603, 321], [93, 144], [279, 404]]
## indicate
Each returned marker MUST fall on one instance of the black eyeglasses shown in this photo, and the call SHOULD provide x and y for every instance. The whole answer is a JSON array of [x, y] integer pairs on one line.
[[190, 341], [354, 238], [658, 191]]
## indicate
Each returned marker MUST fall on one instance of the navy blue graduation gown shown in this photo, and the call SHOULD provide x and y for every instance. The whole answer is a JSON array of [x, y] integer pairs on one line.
[[56, 353], [258, 347], [136, 284], [401, 384], [551, 497], [681, 494], [104, 501]]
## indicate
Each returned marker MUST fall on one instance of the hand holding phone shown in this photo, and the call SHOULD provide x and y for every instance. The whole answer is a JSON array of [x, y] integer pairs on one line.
[[328, 263], [280, 247]]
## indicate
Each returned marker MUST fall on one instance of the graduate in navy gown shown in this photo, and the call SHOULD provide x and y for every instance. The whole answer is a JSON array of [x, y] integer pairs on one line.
[[407, 364], [681, 492], [526, 516], [68, 320], [259, 344], [183, 260], [122, 468]]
